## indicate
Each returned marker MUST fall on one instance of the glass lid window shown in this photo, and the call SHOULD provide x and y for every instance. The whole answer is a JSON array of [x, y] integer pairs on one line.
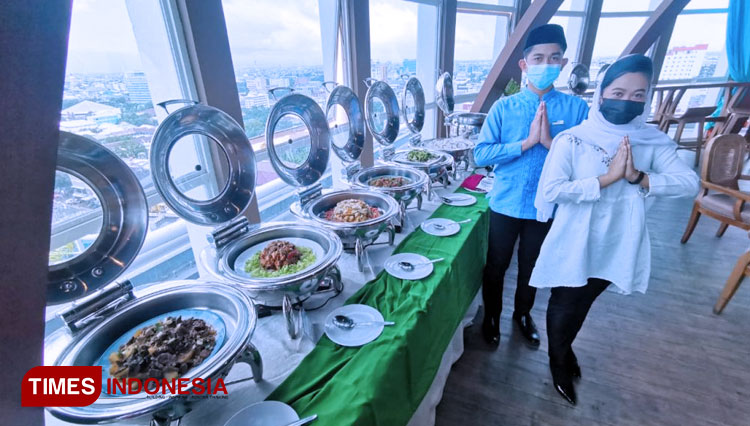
[[118, 67], [274, 43]]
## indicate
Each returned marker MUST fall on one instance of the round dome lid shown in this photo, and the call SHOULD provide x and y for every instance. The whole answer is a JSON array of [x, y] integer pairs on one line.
[[219, 127], [124, 219], [381, 111], [347, 139], [298, 140], [413, 105], [444, 88]]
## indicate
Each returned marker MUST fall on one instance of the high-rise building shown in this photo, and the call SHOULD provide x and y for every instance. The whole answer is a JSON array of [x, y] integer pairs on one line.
[[137, 86], [683, 62]]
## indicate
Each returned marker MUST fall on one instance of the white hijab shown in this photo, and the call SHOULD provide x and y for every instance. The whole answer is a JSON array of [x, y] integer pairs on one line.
[[596, 130]]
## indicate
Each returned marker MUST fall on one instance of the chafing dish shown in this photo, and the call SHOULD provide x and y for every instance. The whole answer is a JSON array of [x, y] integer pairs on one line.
[[460, 148], [413, 108], [105, 310], [404, 195], [357, 235], [467, 124], [437, 169], [232, 234], [229, 262]]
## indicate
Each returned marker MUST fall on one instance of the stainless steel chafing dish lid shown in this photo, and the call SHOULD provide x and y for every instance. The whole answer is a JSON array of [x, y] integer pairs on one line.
[[414, 114], [124, 220], [207, 121], [345, 98], [444, 89], [475, 119], [379, 92], [312, 168]]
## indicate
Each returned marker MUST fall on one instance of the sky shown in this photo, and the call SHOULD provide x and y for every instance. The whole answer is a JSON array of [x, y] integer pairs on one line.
[[287, 32]]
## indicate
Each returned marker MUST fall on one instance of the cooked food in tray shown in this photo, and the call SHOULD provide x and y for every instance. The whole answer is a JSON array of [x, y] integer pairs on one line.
[[450, 144], [279, 258], [389, 181], [165, 350], [420, 156], [351, 211]]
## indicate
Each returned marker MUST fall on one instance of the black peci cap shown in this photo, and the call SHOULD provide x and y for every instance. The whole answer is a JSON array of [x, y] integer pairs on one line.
[[547, 33]]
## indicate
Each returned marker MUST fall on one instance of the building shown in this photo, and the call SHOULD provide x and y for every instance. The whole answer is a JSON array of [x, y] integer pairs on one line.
[[253, 101], [137, 87], [92, 112], [683, 62]]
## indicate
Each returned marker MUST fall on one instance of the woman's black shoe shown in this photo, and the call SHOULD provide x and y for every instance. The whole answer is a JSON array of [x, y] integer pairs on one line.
[[563, 383], [573, 367], [491, 332]]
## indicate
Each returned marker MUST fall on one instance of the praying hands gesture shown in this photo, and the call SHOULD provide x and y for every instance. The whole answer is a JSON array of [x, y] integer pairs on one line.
[[622, 166], [539, 131]]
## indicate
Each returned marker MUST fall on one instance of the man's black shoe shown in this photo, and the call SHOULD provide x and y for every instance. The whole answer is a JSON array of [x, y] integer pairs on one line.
[[528, 328]]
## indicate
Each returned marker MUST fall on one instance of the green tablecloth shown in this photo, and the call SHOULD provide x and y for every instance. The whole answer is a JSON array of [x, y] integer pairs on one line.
[[383, 382]]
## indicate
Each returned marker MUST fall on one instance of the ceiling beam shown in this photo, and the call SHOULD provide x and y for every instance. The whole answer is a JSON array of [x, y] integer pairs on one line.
[[506, 65], [660, 21], [590, 28]]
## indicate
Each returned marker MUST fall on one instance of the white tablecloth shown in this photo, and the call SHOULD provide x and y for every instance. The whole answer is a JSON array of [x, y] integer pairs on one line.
[[281, 355]]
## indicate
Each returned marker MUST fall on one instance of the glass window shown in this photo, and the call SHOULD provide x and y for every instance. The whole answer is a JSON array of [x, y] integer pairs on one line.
[[708, 4], [573, 27], [697, 49], [629, 6], [479, 39], [393, 41], [610, 43], [573, 5], [274, 43], [110, 96]]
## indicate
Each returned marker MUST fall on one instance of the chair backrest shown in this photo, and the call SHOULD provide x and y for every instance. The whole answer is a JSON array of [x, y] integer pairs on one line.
[[740, 102], [723, 161]]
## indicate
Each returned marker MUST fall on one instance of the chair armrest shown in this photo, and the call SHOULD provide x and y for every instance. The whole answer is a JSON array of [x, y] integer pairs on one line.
[[729, 191], [739, 195]]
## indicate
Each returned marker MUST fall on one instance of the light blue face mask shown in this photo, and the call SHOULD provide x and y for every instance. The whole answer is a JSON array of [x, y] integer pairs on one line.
[[542, 76]]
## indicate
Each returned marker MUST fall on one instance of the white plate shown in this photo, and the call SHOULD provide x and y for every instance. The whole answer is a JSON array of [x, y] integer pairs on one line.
[[356, 336], [449, 227], [265, 413], [239, 263], [459, 200], [419, 271]]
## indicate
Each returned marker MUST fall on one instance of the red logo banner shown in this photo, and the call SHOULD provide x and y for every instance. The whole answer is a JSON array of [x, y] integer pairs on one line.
[[61, 386]]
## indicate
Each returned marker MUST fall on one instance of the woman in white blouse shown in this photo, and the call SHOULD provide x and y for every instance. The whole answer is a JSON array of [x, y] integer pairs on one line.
[[600, 176]]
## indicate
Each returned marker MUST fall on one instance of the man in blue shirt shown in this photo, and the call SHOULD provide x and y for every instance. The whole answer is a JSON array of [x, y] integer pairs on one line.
[[515, 139]]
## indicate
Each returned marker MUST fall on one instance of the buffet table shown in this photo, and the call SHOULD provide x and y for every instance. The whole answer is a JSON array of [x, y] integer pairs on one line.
[[398, 378]]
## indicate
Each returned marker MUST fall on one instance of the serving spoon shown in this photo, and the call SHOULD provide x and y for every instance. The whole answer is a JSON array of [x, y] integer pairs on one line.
[[343, 321], [408, 266]]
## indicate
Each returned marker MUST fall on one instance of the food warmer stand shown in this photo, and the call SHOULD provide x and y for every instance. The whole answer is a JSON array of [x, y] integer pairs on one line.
[[105, 309], [306, 176]]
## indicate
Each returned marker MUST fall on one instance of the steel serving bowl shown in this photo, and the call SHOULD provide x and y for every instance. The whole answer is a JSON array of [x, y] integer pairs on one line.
[[404, 195], [271, 291], [437, 169], [460, 148], [356, 235], [235, 309]]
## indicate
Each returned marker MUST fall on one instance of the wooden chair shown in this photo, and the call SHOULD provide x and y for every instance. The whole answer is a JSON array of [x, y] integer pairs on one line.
[[738, 111], [720, 196], [698, 115], [740, 271]]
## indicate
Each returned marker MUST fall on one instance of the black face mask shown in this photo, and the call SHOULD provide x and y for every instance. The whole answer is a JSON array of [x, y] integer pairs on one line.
[[618, 111]]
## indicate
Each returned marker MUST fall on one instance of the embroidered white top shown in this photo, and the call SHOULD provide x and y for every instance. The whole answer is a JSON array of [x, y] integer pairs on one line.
[[601, 233]]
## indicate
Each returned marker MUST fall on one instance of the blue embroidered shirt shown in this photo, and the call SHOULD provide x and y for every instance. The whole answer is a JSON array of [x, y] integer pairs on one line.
[[507, 125]]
